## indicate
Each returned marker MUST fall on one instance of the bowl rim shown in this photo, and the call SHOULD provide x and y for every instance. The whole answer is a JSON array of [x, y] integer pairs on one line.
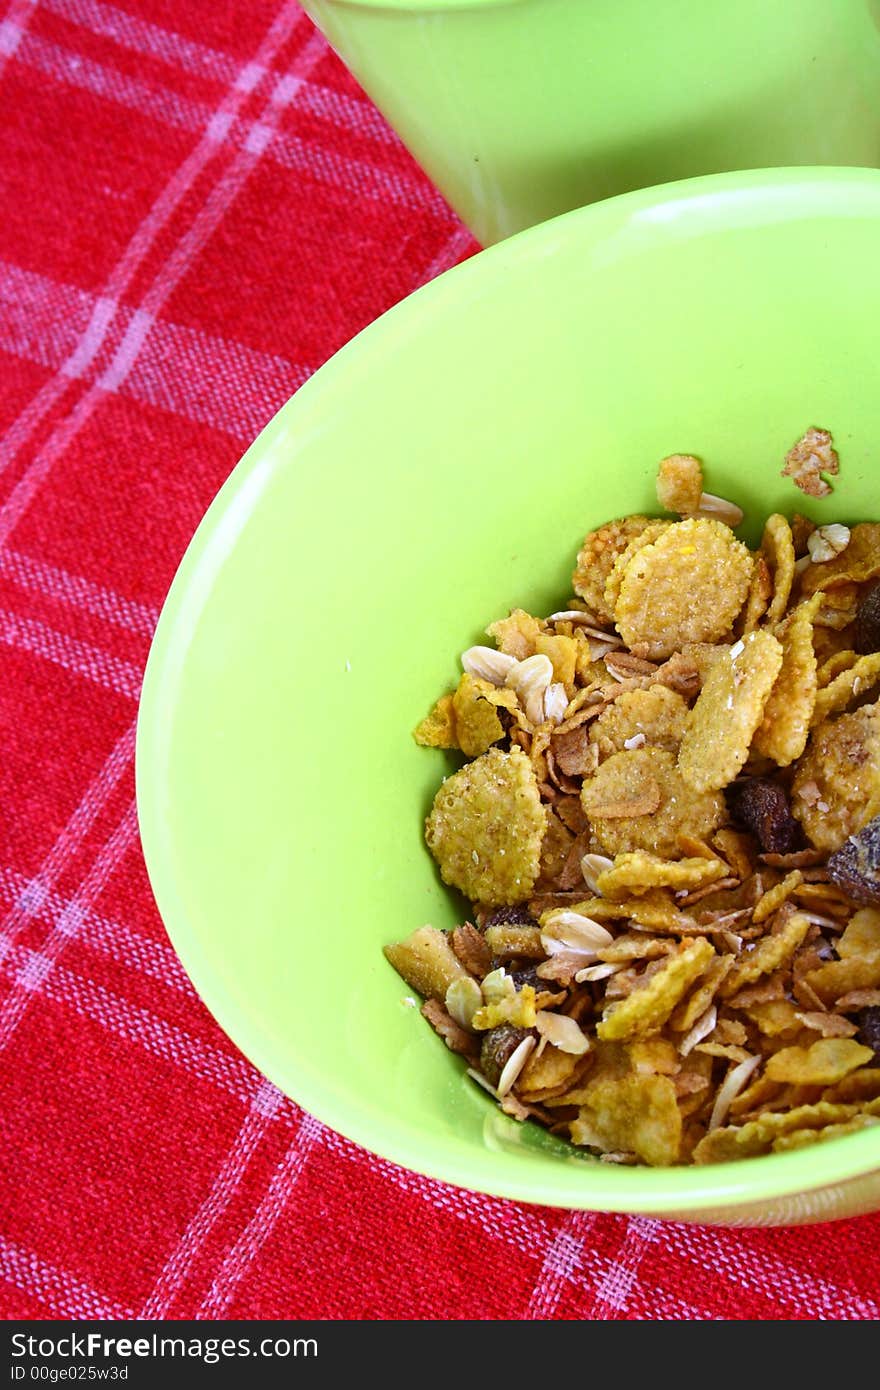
[[583, 1185]]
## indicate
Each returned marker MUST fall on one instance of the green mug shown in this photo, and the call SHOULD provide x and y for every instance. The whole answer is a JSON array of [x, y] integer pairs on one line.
[[521, 109]]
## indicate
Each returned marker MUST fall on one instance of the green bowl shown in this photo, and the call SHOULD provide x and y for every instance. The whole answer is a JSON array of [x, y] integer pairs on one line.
[[440, 469], [522, 109]]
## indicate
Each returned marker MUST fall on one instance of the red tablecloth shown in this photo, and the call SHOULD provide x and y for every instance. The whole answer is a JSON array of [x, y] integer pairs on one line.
[[197, 207]]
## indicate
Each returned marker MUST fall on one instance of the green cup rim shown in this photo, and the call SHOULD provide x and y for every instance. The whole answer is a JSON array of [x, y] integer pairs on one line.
[[581, 1185]]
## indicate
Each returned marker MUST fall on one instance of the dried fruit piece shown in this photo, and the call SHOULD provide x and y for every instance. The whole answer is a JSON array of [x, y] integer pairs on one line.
[[778, 549], [596, 560], [679, 483], [687, 586], [808, 459], [437, 729], [836, 786], [784, 729], [868, 621], [647, 1008], [497, 1048], [869, 1029], [762, 807], [486, 827], [631, 1114], [728, 711], [655, 717], [647, 777], [855, 866]]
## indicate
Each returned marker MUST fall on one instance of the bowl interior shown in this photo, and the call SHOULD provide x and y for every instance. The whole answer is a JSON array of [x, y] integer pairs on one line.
[[440, 470]]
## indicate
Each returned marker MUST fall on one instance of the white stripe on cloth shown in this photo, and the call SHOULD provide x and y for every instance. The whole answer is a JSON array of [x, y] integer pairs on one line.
[[175, 50], [771, 1277], [240, 1258], [611, 1293], [197, 375], [39, 577], [13, 27], [63, 1294], [135, 1025], [110, 937], [219, 199], [15, 1005], [173, 193], [260, 1115], [80, 658], [561, 1258]]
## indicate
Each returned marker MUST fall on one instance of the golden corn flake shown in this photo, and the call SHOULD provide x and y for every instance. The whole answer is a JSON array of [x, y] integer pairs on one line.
[[679, 483], [837, 780], [800, 1138], [563, 653], [687, 586], [728, 711], [862, 934], [477, 725], [631, 1114], [767, 955], [655, 717], [840, 661], [784, 729], [550, 1072], [486, 828], [778, 550], [760, 593], [859, 562], [836, 978], [847, 686], [777, 895], [820, 1064], [654, 910], [685, 1014], [651, 532], [775, 1018], [647, 778], [648, 1007], [757, 1136], [801, 530], [516, 1008], [639, 871], [836, 608], [437, 729], [808, 459], [596, 560], [517, 634]]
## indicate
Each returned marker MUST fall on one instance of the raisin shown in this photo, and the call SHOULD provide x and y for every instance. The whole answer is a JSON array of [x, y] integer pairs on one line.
[[855, 867], [762, 807], [869, 1031], [509, 917], [498, 1046], [868, 621], [529, 976]]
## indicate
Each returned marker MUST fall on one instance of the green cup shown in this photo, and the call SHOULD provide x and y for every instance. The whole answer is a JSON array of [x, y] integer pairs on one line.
[[521, 109]]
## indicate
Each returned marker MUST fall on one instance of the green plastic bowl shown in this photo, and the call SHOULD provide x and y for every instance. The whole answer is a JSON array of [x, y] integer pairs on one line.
[[522, 109], [440, 469]]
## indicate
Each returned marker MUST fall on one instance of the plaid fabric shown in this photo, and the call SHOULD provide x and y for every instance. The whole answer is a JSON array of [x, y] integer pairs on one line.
[[198, 207]]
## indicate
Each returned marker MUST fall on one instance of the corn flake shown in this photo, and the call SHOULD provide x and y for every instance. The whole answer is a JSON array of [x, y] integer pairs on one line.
[[785, 726], [647, 779], [655, 717], [631, 1114], [820, 1064], [859, 562], [728, 711], [663, 587], [679, 483], [487, 826], [847, 686], [517, 634], [596, 560], [777, 546], [760, 594], [800, 1138], [647, 1008], [638, 871], [437, 729], [767, 956], [837, 780], [477, 725]]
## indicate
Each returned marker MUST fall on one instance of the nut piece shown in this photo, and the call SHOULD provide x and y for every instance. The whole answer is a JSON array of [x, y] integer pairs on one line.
[[808, 459], [827, 542], [530, 680], [488, 664]]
